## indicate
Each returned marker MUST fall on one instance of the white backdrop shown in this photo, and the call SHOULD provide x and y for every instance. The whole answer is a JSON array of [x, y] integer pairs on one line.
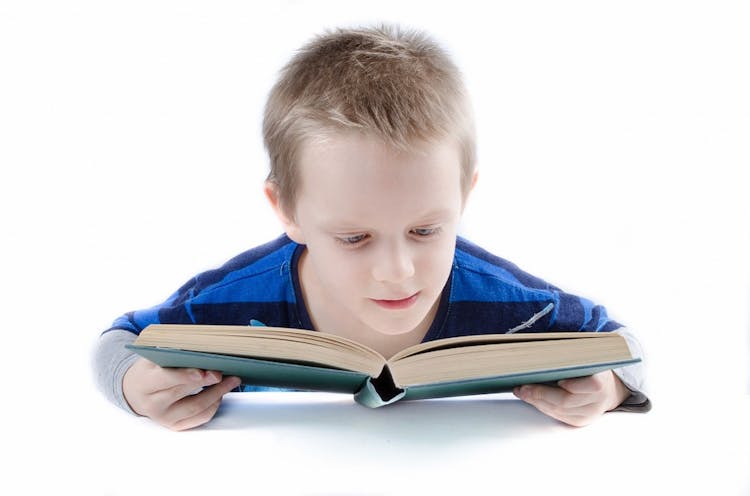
[[613, 156]]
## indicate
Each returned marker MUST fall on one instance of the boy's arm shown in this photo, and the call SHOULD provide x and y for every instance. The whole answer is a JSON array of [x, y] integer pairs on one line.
[[177, 398], [111, 361], [581, 401], [576, 402], [167, 396]]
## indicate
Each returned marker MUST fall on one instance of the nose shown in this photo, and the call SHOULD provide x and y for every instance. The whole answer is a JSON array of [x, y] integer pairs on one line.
[[393, 263]]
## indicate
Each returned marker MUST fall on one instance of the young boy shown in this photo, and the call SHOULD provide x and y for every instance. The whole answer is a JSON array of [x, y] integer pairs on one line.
[[371, 143]]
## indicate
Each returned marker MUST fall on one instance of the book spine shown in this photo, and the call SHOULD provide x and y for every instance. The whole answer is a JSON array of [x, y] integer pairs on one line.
[[379, 391]]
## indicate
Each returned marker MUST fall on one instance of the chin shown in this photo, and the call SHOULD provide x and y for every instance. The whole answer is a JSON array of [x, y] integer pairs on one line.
[[394, 332], [395, 329]]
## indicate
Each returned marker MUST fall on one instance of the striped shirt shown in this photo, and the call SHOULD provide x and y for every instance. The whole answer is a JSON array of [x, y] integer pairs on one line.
[[484, 294]]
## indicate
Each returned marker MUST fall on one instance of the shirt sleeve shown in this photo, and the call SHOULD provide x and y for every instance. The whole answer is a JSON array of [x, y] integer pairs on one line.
[[575, 313], [110, 362], [174, 306], [633, 377]]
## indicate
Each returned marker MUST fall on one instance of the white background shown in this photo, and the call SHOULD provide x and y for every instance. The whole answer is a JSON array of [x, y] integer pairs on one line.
[[613, 157]]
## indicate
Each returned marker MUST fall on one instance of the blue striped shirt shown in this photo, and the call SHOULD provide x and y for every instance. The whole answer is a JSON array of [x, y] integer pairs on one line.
[[484, 294]]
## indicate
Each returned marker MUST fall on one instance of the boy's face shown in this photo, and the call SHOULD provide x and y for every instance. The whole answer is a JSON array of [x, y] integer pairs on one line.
[[380, 228]]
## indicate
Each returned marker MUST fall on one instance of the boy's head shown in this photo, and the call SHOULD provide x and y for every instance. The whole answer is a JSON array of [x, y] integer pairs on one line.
[[372, 157], [396, 86]]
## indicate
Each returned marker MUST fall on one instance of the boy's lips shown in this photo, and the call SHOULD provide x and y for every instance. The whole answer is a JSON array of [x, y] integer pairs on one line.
[[398, 304]]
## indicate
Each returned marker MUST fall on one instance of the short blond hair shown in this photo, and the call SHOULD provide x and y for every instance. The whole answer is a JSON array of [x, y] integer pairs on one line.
[[394, 84]]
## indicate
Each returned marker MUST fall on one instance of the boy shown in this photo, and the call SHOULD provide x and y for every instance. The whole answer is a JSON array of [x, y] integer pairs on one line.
[[371, 143]]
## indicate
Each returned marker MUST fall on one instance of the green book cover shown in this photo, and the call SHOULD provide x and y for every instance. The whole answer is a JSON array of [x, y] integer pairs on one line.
[[369, 391], [259, 372]]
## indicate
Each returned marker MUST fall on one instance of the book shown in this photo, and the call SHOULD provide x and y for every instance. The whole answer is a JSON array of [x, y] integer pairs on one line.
[[318, 361]]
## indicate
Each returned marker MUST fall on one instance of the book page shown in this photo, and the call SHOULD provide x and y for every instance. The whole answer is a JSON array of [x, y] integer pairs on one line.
[[510, 357], [272, 343], [480, 339]]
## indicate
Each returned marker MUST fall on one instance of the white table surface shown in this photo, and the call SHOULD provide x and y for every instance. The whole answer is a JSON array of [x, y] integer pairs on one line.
[[315, 443]]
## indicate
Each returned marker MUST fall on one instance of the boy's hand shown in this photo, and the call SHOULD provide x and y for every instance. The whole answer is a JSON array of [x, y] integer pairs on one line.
[[165, 394], [576, 402]]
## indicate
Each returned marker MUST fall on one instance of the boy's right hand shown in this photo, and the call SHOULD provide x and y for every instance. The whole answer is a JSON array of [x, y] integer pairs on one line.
[[165, 394]]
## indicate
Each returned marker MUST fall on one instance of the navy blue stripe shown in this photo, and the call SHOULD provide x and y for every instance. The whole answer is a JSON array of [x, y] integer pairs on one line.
[[482, 317], [493, 260], [274, 314], [242, 261]]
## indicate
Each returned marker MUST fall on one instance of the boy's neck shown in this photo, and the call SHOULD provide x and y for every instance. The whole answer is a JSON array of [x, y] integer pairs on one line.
[[349, 326]]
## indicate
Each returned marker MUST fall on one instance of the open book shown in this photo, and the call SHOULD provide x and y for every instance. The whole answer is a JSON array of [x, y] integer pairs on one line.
[[301, 359]]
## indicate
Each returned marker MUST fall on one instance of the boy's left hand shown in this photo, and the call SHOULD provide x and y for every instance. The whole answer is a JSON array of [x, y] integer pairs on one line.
[[576, 402]]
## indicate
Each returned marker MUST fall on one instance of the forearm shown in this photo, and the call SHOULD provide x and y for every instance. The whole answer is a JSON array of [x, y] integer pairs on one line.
[[111, 360]]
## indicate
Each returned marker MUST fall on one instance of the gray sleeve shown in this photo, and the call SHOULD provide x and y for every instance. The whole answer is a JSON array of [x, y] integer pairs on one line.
[[634, 377], [110, 362]]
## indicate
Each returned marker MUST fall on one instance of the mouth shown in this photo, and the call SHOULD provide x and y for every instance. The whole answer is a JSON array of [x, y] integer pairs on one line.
[[398, 304]]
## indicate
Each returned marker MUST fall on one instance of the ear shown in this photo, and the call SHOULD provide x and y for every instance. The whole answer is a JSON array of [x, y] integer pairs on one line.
[[474, 179], [290, 225]]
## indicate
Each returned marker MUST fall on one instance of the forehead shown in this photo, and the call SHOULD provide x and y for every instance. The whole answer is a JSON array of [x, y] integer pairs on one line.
[[359, 175], [341, 157]]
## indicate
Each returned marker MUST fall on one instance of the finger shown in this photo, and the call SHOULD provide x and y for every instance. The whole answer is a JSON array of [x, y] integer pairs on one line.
[[555, 397], [197, 406], [165, 378], [533, 395], [537, 393], [586, 385], [577, 417], [198, 419], [194, 384]]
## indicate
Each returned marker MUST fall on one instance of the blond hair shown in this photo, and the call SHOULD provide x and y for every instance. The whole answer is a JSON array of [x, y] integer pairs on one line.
[[397, 85]]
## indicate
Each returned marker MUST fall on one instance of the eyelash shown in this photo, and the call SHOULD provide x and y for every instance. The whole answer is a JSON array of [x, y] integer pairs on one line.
[[346, 241]]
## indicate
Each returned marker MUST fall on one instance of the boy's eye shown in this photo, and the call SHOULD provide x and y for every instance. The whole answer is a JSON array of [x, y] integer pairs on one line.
[[351, 240], [357, 239], [426, 231]]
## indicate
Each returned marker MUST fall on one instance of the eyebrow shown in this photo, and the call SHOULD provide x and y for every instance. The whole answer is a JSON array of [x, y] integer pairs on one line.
[[352, 225], [435, 214]]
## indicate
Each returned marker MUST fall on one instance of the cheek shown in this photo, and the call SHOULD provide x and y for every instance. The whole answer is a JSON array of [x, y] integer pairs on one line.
[[435, 265], [338, 270]]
